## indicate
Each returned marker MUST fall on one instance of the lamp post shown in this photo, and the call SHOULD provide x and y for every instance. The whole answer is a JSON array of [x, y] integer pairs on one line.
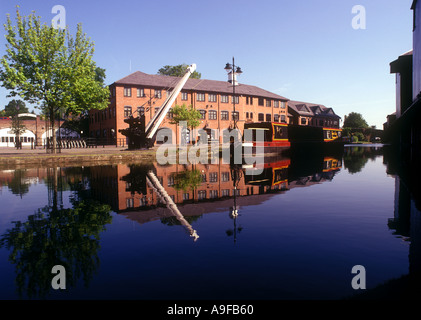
[[233, 71]]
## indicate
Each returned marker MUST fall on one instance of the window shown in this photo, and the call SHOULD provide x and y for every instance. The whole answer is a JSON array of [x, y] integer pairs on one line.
[[236, 99], [201, 194], [225, 176], [303, 121], [261, 101], [212, 97], [127, 92], [283, 118], [247, 115], [202, 114], [224, 99], [158, 94], [224, 115], [186, 196], [276, 104], [203, 177], [268, 117], [213, 115], [225, 193], [261, 117], [171, 181], [213, 177], [129, 202], [268, 103], [170, 114], [235, 115], [251, 115], [140, 111], [200, 96], [127, 111], [113, 91], [184, 96], [276, 117], [140, 92], [249, 100], [142, 202], [283, 104], [213, 194]]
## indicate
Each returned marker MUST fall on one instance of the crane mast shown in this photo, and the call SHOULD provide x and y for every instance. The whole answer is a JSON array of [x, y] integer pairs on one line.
[[141, 135]]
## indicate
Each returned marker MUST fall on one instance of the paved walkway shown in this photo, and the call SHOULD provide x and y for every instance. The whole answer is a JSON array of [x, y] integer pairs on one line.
[[28, 152]]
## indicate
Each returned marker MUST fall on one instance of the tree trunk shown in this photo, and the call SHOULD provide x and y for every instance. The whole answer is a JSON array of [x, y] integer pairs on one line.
[[53, 131]]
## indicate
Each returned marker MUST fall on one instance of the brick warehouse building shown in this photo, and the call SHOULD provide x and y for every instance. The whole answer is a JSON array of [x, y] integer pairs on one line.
[[144, 93]]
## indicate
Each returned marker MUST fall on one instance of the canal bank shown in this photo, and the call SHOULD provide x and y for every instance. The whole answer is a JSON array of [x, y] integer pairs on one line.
[[13, 158]]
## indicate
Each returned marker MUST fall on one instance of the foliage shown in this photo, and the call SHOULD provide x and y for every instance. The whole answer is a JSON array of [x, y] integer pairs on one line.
[[359, 136], [56, 236], [355, 120], [187, 180], [15, 107], [178, 71], [187, 114], [49, 67]]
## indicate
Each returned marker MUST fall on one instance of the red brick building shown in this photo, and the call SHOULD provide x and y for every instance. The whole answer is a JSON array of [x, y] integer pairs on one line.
[[144, 93]]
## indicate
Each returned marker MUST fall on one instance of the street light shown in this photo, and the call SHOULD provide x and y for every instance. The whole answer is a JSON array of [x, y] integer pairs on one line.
[[233, 71]]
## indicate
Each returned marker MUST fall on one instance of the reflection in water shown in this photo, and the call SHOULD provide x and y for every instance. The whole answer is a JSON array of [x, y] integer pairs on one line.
[[355, 158], [406, 224], [55, 235], [67, 230]]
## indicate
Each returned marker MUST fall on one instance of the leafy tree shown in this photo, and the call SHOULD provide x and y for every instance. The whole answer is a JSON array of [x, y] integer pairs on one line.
[[187, 114], [355, 120], [15, 107], [178, 71], [49, 67], [187, 180], [68, 237]]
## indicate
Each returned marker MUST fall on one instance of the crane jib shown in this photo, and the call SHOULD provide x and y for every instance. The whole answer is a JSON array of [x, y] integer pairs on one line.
[[159, 116]]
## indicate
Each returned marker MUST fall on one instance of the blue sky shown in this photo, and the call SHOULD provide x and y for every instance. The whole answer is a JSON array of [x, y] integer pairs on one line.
[[303, 50]]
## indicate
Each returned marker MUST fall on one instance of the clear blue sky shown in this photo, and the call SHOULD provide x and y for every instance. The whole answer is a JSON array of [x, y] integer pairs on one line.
[[304, 50]]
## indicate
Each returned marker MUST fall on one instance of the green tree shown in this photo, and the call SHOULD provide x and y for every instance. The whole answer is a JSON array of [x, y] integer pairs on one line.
[[355, 120], [187, 180], [178, 71], [15, 107], [187, 114], [56, 236], [51, 68]]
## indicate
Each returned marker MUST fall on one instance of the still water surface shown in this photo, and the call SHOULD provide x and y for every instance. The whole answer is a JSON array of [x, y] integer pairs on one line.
[[301, 227]]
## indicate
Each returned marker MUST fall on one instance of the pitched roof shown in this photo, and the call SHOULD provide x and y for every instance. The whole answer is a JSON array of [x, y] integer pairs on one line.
[[306, 108], [139, 78]]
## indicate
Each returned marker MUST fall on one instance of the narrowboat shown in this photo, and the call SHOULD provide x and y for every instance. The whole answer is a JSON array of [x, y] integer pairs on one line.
[[275, 137], [278, 137]]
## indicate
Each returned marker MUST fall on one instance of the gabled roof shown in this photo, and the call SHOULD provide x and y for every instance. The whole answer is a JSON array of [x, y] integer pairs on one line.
[[310, 109], [139, 78]]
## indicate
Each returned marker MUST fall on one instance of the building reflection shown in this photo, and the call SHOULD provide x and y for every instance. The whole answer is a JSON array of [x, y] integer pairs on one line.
[[61, 232], [405, 224], [203, 188]]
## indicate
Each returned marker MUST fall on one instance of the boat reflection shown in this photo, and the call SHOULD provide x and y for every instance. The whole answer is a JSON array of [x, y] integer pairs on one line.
[[186, 192]]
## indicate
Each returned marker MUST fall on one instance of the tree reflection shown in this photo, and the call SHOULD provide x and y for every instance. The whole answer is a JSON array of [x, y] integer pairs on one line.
[[54, 235], [187, 180], [18, 185], [355, 158]]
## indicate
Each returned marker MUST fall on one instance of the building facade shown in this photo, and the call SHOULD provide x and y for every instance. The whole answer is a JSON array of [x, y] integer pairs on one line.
[[310, 114], [141, 93]]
